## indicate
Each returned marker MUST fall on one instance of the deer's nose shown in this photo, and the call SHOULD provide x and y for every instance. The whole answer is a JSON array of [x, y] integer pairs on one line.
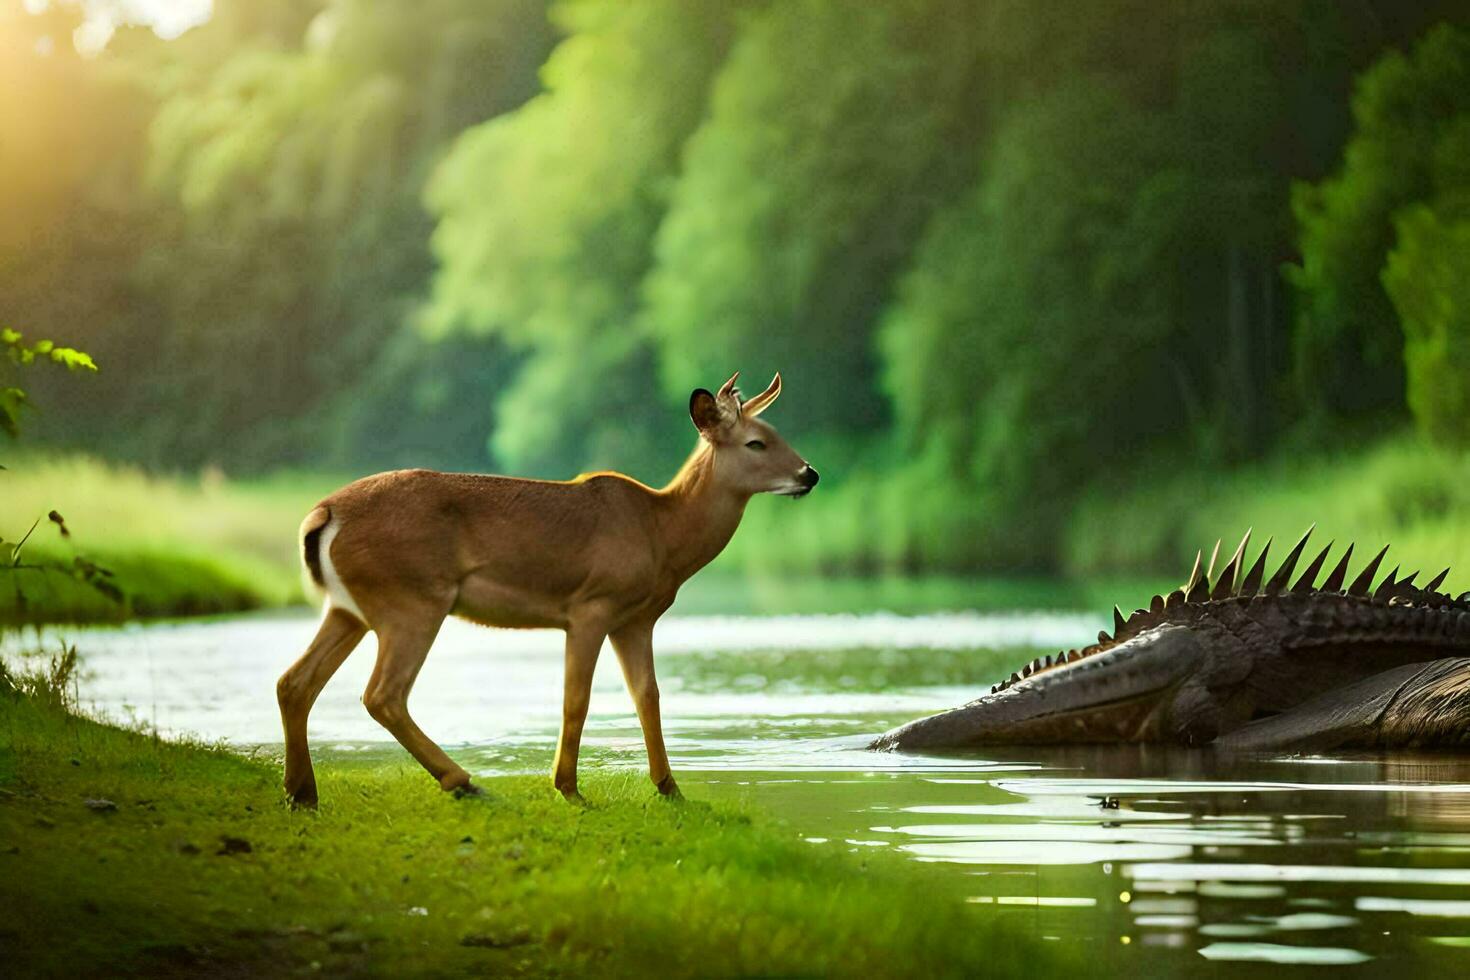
[[809, 476]]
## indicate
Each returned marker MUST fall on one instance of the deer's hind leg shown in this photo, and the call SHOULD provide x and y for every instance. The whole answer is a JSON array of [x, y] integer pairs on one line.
[[297, 691], [402, 646]]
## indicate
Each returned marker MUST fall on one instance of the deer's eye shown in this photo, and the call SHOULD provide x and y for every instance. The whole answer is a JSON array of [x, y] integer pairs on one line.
[[755, 444]]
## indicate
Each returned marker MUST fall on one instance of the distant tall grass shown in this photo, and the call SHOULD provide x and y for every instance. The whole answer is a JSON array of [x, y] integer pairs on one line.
[[178, 545], [188, 545], [1401, 492], [883, 516]]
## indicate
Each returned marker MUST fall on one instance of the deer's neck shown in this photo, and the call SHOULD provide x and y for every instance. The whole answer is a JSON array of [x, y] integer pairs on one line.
[[698, 516]]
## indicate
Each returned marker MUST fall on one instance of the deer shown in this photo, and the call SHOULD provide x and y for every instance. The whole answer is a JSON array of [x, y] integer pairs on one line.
[[600, 557]]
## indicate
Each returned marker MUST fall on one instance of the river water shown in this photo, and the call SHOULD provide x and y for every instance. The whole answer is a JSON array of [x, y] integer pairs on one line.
[[1166, 860]]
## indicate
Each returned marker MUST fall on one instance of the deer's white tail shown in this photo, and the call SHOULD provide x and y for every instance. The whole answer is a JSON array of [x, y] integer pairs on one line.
[[318, 532]]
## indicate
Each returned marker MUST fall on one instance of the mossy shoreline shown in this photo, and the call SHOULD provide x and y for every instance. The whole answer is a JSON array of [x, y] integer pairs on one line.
[[132, 855]]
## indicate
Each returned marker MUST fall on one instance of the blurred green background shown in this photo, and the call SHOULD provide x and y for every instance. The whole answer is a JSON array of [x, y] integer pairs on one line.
[[1067, 287]]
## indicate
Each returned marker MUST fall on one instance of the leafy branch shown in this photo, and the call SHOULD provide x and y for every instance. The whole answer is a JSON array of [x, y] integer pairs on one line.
[[13, 400]]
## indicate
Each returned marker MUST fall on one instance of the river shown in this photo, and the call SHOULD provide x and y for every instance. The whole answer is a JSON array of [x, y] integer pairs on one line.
[[1166, 860]]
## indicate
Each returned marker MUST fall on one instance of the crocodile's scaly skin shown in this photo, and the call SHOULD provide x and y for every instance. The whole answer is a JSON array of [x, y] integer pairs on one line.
[[1247, 664]]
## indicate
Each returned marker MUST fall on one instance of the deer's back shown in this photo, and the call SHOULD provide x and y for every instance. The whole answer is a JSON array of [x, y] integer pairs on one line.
[[498, 542]]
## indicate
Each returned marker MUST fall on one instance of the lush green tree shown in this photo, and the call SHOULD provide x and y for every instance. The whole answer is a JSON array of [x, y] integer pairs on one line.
[[244, 291], [1026, 346], [833, 131], [72, 148], [545, 223], [1428, 279], [295, 173], [1407, 111]]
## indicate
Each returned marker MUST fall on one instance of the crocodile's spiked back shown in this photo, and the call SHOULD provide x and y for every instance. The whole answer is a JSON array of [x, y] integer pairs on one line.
[[1213, 656]]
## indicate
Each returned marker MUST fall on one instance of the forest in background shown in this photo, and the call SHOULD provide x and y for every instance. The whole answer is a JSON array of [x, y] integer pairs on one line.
[[1002, 255]]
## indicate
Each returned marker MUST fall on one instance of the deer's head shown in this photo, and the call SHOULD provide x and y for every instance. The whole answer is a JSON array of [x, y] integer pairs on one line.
[[749, 455]]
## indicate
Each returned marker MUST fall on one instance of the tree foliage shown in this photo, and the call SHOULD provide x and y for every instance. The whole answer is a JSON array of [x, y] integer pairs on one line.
[[1428, 278], [1409, 114], [833, 131], [1026, 343], [546, 219], [999, 250]]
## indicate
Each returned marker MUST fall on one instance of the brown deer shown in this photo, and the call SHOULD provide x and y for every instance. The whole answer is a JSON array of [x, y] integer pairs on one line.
[[599, 556]]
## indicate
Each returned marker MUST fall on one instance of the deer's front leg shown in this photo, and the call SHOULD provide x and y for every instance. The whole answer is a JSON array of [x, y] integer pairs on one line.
[[583, 646], [634, 646]]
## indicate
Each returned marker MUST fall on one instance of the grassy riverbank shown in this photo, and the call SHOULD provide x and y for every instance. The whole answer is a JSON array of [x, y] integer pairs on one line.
[[195, 545], [133, 855], [1400, 492], [177, 545], [190, 545]]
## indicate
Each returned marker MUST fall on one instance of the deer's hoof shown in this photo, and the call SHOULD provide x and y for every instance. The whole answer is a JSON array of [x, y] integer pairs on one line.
[[571, 795], [669, 789], [470, 791], [304, 798]]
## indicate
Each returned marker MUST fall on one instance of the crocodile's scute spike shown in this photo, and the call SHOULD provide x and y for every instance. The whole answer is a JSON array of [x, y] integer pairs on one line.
[[1364, 581], [1253, 577], [1193, 574], [1238, 559], [1156, 605], [1282, 578], [1118, 621], [1214, 556], [1015, 678], [1175, 598], [1385, 589], [1408, 582], [1309, 577], [1225, 586], [1200, 592], [1102, 636], [1339, 574], [1437, 581]]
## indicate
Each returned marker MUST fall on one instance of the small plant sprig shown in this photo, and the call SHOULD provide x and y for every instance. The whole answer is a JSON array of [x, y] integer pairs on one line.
[[13, 400]]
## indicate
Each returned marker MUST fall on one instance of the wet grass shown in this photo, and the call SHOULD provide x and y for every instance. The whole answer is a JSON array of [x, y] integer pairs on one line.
[[134, 855]]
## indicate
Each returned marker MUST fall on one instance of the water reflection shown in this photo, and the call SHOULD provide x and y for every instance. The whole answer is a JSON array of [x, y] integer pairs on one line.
[[1259, 860]]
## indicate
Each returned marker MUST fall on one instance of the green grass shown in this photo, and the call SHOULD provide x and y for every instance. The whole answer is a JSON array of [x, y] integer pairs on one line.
[[201, 869], [1400, 492], [177, 545]]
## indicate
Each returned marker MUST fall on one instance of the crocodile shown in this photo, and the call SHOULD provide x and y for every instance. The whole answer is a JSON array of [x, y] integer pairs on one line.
[[1238, 661]]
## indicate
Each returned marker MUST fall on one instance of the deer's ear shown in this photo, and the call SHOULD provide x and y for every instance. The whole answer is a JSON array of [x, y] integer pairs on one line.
[[705, 411]]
